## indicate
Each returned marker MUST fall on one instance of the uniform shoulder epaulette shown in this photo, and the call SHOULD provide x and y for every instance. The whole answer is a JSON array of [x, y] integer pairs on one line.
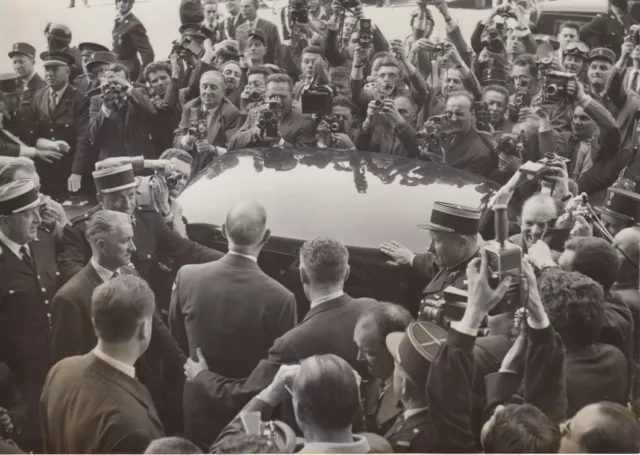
[[78, 219]]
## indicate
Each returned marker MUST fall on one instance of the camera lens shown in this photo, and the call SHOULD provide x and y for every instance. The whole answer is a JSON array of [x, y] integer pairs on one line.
[[552, 89], [378, 104], [421, 135], [255, 96], [335, 127], [431, 314], [262, 123]]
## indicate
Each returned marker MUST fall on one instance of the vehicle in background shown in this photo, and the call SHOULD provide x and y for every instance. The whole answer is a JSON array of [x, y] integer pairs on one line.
[[550, 14]]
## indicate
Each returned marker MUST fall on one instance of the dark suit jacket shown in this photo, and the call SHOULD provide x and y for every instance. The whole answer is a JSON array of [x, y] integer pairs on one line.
[[224, 123], [297, 130], [604, 30], [127, 132], [232, 311], [151, 236], [230, 24], [90, 407], [23, 125], [326, 329], [130, 39], [470, 152], [273, 39], [69, 122], [35, 84]]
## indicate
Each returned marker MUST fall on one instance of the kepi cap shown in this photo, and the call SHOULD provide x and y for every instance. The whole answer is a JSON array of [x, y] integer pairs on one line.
[[19, 196], [11, 83], [101, 57], [621, 204], [259, 34], [57, 58], [22, 49], [453, 218], [602, 53], [90, 48], [192, 30], [229, 48], [115, 179], [495, 76], [414, 350]]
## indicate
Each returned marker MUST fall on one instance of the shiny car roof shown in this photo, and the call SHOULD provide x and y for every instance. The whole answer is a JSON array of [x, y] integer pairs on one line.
[[360, 198]]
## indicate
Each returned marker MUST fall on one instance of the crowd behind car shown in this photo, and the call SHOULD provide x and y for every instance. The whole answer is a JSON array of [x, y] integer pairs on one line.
[[119, 334]]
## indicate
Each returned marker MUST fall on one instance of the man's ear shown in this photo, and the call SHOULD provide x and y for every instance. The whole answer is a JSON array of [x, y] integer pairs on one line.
[[266, 237], [346, 273], [224, 231]]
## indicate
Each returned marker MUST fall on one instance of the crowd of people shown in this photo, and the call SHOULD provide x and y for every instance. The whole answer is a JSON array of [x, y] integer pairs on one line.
[[119, 334]]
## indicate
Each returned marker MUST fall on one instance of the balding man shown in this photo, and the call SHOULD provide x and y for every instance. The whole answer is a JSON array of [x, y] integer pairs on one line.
[[231, 311], [538, 212]]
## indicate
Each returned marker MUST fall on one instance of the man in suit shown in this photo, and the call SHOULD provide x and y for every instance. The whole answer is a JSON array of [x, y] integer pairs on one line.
[[28, 281], [117, 190], [294, 129], [326, 329], [130, 39], [217, 119], [251, 21], [62, 115], [120, 123], [93, 403], [231, 23], [23, 56], [231, 311]]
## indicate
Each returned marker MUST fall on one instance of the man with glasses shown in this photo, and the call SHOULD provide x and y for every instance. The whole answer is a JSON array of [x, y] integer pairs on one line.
[[29, 279]]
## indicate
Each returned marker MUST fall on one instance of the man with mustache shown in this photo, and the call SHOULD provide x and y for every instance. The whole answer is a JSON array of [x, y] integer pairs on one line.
[[497, 99], [233, 81], [216, 117]]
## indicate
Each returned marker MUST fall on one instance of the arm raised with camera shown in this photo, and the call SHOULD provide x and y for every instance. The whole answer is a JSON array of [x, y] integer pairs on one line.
[[454, 33], [358, 93]]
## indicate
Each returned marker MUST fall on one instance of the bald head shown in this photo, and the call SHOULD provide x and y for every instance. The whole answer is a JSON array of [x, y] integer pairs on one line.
[[627, 240], [246, 223]]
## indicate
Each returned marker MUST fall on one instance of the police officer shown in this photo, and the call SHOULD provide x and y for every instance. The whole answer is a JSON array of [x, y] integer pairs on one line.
[[63, 116], [23, 57], [86, 81], [59, 39], [98, 64], [454, 242], [621, 209], [18, 124], [28, 281], [117, 190], [413, 353], [130, 39]]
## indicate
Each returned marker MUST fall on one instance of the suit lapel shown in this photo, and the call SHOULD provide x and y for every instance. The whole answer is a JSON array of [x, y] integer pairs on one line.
[[13, 262], [36, 248], [214, 125]]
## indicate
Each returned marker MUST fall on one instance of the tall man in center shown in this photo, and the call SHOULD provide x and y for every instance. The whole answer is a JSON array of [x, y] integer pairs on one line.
[[249, 10]]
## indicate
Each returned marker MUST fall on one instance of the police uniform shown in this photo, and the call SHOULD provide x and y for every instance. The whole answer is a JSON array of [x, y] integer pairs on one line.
[[17, 129], [86, 82], [450, 218], [67, 121], [621, 205], [151, 235], [604, 30], [413, 353], [381, 405], [35, 83], [130, 39], [28, 281]]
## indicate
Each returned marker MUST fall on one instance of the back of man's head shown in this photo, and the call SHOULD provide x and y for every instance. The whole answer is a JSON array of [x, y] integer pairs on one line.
[[246, 224], [173, 445], [595, 258], [606, 427], [244, 443], [325, 393], [521, 429], [119, 307], [324, 262], [383, 319], [575, 306]]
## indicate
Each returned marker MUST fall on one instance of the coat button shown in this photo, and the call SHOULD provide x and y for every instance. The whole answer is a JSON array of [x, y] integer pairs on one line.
[[49, 315], [11, 291], [148, 256], [46, 302], [43, 289], [38, 276], [57, 273]]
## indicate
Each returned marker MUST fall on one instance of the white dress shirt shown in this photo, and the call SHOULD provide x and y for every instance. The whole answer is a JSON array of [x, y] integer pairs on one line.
[[13, 246], [248, 256], [104, 274], [118, 365], [326, 298]]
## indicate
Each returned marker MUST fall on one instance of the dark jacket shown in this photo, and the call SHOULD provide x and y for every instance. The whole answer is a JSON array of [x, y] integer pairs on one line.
[[151, 236], [85, 84], [234, 312], [630, 295], [296, 129], [273, 39], [399, 140], [224, 122], [166, 118], [88, 406], [604, 30], [25, 341], [472, 151], [35, 84], [130, 39], [126, 132], [230, 24], [22, 126], [70, 123]]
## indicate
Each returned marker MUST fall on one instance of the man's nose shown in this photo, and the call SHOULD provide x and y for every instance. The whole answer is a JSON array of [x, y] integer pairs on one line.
[[536, 230], [132, 246]]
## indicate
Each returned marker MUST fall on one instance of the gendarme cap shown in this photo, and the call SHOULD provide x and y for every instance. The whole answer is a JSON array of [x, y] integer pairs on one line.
[[453, 218]]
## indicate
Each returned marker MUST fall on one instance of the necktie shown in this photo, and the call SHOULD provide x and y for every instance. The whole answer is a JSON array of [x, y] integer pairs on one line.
[[26, 258], [54, 102]]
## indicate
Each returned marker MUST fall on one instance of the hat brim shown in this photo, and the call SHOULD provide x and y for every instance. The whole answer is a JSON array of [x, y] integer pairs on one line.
[[123, 187], [14, 53], [436, 227], [55, 63], [35, 204], [93, 63], [259, 38], [611, 213]]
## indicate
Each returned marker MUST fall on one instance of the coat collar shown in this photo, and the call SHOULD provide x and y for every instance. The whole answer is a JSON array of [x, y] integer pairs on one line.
[[326, 306], [239, 261]]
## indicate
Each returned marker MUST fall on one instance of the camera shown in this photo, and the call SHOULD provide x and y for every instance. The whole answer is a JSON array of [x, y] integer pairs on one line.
[[634, 36], [173, 179], [268, 121], [111, 88], [555, 85], [481, 112], [365, 34], [317, 99], [337, 124], [522, 99], [255, 95], [298, 12], [446, 310], [537, 170], [198, 127], [504, 259], [492, 37], [379, 103]]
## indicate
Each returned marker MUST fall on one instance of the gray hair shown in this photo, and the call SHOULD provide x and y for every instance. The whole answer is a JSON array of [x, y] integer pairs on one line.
[[8, 172], [212, 73], [103, 223], [325, 260]]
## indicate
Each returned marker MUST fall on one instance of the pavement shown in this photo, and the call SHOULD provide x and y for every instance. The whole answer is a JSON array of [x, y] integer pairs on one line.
[[25, 20]]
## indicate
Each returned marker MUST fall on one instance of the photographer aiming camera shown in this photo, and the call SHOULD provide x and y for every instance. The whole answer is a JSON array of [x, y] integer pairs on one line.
[[338, 130], [254, 92], [309, 70], [293, 128], [216, 118], [574, 59]]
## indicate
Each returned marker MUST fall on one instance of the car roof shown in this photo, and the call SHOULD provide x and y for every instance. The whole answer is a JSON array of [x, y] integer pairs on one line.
[[360, 198]]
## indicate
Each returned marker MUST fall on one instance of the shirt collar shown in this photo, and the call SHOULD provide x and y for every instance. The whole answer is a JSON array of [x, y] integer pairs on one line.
[[248, 256], [326, 298], [359, 445], [104, 274], [13, 246], [58, 92], [411, 412], [118, 365]]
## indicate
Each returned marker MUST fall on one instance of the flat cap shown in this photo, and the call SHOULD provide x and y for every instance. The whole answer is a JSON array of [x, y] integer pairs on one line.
[[602, 53], [258, 34], [19, 196], [101, 57], [194, 30], [495, 76], [453, 218], [22, 49]]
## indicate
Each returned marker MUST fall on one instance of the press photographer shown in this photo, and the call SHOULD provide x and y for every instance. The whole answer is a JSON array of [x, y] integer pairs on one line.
[[497, 99], [575, 56], [281, 124], [309, 70], [339, 130], [254, 92]]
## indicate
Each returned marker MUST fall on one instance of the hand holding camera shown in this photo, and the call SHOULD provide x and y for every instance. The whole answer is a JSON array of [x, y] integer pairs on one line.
[[390, 110], [277, 392]]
